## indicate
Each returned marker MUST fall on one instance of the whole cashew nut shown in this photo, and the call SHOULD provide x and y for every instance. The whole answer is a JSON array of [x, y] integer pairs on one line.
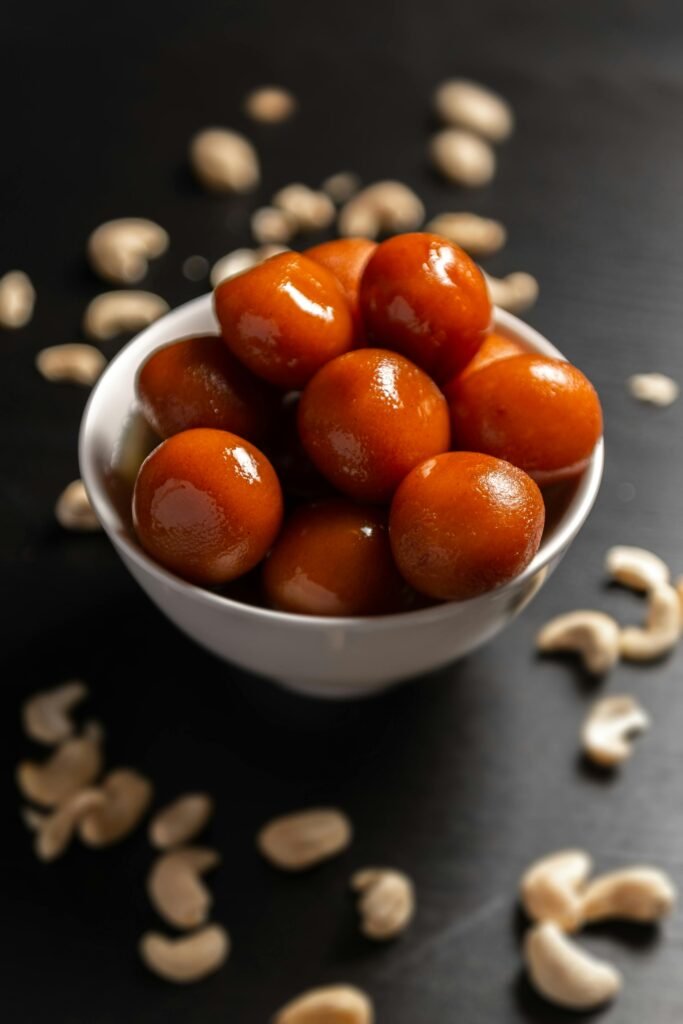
[[119, 250], [387, 902], [335, 1004], [187, 958], [180, 821], [74, 363], [654, 388], [175, 886], [112, 313], [308, 209], [17, 299], [387, 207], [463, 157], [295, 842], [46, 715], [593, 635], [73, 510], [56, 831], [270, 104], [550, 890], [609, 727], [636, 568], [224, 161], [471, 105], [662, 628], [516, 292], [635, 894], [126, 796], [479, 236], [564, 973], [74, 765]]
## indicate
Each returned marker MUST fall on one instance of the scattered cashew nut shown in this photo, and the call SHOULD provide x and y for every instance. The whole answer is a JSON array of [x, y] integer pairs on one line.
[[662, 628], [479, 236], [126, 796], [341, 186], [564, 973], [463, 158], [387, 207], [550, 889], [309, 210], [298, 841], [176, 889], [387, 902], [74, 363], [655, 388], [270, 104], [73, 765], [187, 958], [636, 894], [270, 225], [516, 292], [224, 161], [233, 263], [119, 250], [46, 717], [180, 821], [471, 105], [593, 635], [17, 299], [335, 1004], [73, 510], [636, 568], [609, 728], [56, 830], [113, 313]]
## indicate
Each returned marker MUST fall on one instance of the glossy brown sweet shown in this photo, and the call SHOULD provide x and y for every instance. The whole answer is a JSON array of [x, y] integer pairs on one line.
[[367, 418], [334, 558], [347, 258], [462, 524], [425, 297], [207, 505], [196, 382], [494, 347], [541, 414], [284, 318]]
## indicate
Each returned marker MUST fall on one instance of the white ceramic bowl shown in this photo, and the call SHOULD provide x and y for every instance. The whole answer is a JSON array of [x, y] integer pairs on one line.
[[326, 657]]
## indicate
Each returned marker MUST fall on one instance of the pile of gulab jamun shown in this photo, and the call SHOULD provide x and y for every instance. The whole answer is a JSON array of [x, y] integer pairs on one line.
[[356, 439]]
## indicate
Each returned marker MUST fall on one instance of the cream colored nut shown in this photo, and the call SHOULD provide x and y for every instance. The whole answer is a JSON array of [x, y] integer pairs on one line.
[[335, 1004], [517, 292], [609, 728], [74, 765], [341, 186], [298, 841], [636, 568], [120, 250], [635, 894], [46, 716], [463, 158], [308, 209], [113, 313], [387, 903], [592, 635], [17, 299], [74, 363], [180, 821], [187, 958], [565, 974], [224, 161], [270, 104], [550, 889], [232, 264], [479, 236], [471, 105], [679, 590], [654, 388], [176, 889], [387, 207], [73, 510], [126, 797], [661, 631], [271, 225], [56, 831]]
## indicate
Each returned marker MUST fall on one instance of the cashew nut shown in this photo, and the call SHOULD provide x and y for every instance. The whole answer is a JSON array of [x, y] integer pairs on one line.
[[466, 103], [564, 973], [176, 889], [611, 724], [233, 263], [56, 830], [295, 842], [387, 207], [119, 250], [17, 299], [635, 894], [678, 587], [662, 627], [308, 209], [76, 363], [550, 889], [341, 186], [463, 158], [46, 716], [655, 388], [270, 225], [180, 821], [113, 313], [593, 635], [74, 765], [479, 236], [126, 797], [224, 161], [636, 568], [187, 958], [73, 510], [270, 104], [517, 292], [387, 903], [335, 1004]]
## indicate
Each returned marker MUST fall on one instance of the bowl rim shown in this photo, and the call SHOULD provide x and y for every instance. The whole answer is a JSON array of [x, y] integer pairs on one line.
[[119, 534]]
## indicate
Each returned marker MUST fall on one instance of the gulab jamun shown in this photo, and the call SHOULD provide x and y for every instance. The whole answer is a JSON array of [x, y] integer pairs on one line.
[[347, 258], [462, 524], [207, 505], [367, 418]]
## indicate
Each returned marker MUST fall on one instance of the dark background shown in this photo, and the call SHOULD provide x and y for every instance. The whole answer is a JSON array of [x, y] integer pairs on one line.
[[461, 778]]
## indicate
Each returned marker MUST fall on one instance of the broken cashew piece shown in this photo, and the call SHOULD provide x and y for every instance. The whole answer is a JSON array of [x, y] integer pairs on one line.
[[17, 299], [463, 158], [635, 894], [387, 207], [180, 821], [295, 842], [73, 510], [187, 958], [636, 568], [593, 635], [270, 104], [120, 250], [516, 292], [654, 388], [661, 631], [46, 715], [479, 236], [113, 313], [176, 889], [56, 831], [334, 1004], [471, 105], [609, 728], [126, 796], [224, 161], [73, 363], [387, 902], [550, 889], [73, 766], [565, 974]]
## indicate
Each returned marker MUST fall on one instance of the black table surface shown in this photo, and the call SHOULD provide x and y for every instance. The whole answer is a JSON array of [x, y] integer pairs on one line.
[[460, 778]]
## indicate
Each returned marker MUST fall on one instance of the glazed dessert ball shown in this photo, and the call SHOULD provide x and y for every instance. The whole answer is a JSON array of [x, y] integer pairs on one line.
[[347, 258], [207, 505], [541, 414], [462, 524], [284, 318], [494, 347], [334, 558], [196, 382], [424, 297], [367, 418]]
